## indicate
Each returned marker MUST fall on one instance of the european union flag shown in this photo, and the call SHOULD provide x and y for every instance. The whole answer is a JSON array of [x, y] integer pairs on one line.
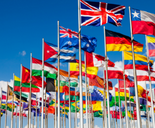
[[69, 38]]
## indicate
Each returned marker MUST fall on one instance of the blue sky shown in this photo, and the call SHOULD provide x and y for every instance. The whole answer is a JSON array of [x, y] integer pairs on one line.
[[24, 23]]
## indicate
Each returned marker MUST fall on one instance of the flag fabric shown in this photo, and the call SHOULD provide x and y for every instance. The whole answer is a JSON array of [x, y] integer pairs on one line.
[[36, 80], [95, 60], [69, 38], [122, 94], [119, 42], [51, 53], [49, 70], [140, 61], [128, 84], [99, 82], [50, 87], [25, 86], [142, 22], [99, 13], [91, 71], [4, 96], [151, 46]]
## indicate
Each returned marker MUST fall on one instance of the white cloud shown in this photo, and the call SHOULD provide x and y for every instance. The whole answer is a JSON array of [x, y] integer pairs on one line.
[[119, 64], [96, 126], [23, 53], [31, 126], [3, 84], [7, 126]]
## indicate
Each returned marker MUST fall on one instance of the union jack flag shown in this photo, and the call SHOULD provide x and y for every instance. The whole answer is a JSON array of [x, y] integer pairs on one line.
[[99, 13], [68, 33]]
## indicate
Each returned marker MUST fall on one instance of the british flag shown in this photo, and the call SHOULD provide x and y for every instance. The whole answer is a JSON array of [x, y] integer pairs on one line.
[[99, 13], [67, 33]]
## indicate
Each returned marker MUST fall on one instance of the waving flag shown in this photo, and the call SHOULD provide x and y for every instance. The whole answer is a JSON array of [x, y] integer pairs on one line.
[[151, 46], [69, 38], [142, 22], [93, 59], [99, 13], [119, 42], [51, 53], [140, 61]]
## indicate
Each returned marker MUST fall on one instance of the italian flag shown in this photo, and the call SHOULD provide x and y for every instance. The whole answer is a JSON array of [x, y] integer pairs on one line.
[[49, 70], [25, 86]]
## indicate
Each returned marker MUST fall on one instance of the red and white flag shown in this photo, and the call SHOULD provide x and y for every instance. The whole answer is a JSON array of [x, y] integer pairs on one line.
[[95, 60]]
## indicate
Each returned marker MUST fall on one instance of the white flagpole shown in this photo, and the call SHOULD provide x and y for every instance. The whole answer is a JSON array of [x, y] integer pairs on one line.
[[147, 125], [86, 90], [22, 117], [75, 122], [0, 107], [58, 78], [80, 67], [20, 98], [109, 125], [126, 111], [55, 116], [69, 96], [6, 106], [42, 120], [12, 104], [151, 94], [135, 75], [36, 112], [45, 109], [64, 112], [116, 113], [16, 119], [30, 90]]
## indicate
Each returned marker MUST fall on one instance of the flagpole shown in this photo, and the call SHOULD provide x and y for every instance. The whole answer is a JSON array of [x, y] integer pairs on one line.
[[45, 110], [135, 75], [42, 118], [20, 98], [69, 96], [130, 110], [86, 90], [36, 112], [6, 106], [120, 112], [147, 125], [75, 122], [22, 117], [92, 114], [88, 105], [58, 78], [0, 107], [109, 125], [126, 111], [30, 90], [16, 119], [55, 116], [12, 104], [149, 72], [116, 113], [33, 120], [65, 112], [80, 67], [105, 109]]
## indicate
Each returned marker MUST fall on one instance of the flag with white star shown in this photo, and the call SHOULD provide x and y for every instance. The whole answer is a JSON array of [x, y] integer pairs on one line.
[[142, 22]]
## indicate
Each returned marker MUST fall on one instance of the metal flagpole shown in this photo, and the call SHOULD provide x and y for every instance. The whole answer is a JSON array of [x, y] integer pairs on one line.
[[16, 119], [92, 114], [130, 109], [33, 121], [126, 111], [58, 78], [0, 107], [86, 90], [147, 125], [75, 122], [22, 117], [109, 125], [36, 112], [45, 109], [42, 118], [62, 120], [135, 75], [64, 112], [151, 94], [116, 113], [80, 67], [20, 98], [120, 112], [69, 96], [30, 90], [6, 106], [88, 104], [55, 116], [12, 104]]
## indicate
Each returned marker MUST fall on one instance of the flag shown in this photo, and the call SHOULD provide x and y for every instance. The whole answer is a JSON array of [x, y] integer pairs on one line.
[[99, 13], [25, 86], [122, 94], [91, 71], [69, 38], [36, 80], [51, 50], [49, 70], [99, 82], [50, 87], [151, 46], [96, 95], [140, 61], [119, 42], [95, 60], [128, 84], [142, 22]]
